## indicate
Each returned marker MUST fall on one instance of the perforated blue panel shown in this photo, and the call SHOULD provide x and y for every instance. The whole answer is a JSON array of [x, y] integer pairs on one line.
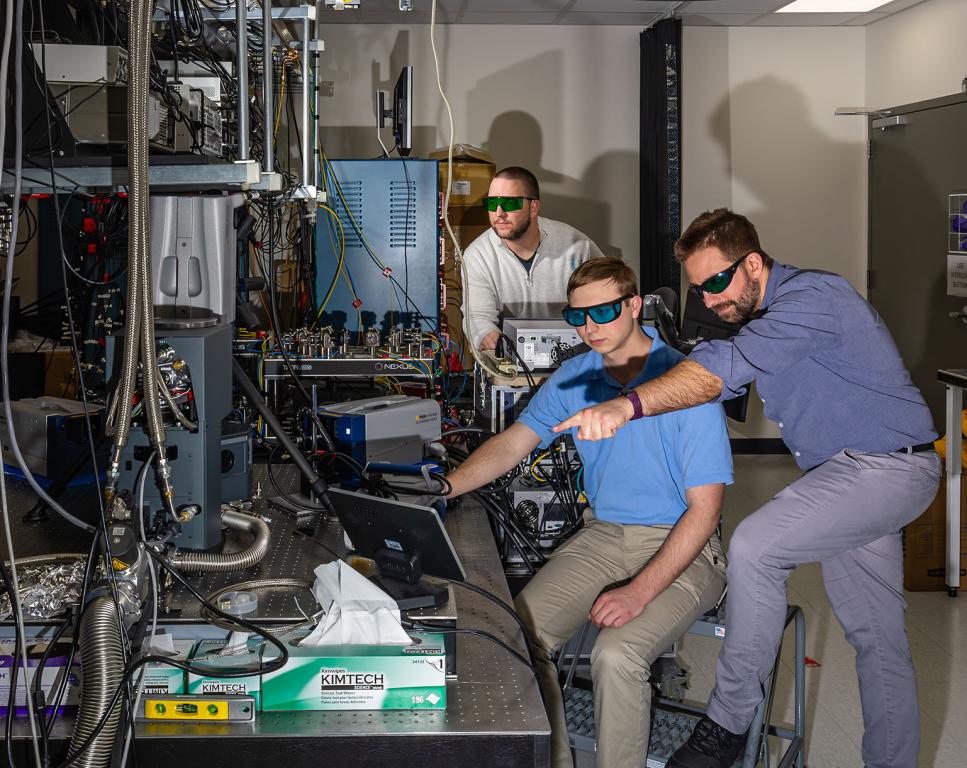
[[393, 207]]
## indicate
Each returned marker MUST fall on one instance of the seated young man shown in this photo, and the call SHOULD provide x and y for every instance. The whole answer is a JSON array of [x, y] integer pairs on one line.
[[647, 562]]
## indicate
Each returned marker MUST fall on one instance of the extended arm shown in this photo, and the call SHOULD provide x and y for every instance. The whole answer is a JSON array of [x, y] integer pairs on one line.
[[497, 456], [685, 385], [617, 607]]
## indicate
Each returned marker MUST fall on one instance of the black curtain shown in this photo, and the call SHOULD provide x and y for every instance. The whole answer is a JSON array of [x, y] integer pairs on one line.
[[660, 147]]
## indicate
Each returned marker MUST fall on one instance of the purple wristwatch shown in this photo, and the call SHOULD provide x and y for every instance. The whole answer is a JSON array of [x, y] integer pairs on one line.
[[636, 404]]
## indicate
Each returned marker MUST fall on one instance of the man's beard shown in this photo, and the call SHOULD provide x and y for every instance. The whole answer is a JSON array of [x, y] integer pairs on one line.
[[517, 232], [742, 308]]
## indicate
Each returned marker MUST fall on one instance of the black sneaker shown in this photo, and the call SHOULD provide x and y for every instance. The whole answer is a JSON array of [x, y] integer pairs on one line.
[[709, 746]]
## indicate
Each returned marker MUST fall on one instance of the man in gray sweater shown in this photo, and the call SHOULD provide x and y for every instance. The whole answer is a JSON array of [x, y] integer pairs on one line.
[[520, 266]]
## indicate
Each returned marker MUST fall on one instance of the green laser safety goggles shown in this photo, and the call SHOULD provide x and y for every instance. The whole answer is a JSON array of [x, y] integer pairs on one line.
[[507, 203], [719, 281], [600, 313]]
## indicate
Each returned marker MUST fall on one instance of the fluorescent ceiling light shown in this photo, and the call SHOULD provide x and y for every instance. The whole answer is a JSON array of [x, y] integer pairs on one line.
[[831, 6]]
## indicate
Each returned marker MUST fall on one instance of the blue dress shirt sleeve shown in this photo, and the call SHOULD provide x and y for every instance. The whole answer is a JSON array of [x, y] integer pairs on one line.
[[795, 326]]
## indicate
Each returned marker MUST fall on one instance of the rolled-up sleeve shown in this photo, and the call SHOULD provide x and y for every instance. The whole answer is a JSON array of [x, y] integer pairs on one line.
[[794, 327]]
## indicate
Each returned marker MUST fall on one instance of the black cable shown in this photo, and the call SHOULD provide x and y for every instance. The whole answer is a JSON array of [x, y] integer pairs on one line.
[[75, 640], [444, 629], [503, 522], [38, 679], [15, 607], [495, 508], [508, 342], [273, 305]]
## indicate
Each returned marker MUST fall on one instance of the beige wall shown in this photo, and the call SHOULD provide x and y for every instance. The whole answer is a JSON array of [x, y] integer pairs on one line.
[[561, 100], [918, 54], [760, 137]]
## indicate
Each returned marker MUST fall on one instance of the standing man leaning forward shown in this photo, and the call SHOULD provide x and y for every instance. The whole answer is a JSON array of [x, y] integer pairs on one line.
[[829, 373], [520, 266], [647, 562]]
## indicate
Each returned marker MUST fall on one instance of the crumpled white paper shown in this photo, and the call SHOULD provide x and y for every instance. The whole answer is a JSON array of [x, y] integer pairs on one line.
[[357, 611]]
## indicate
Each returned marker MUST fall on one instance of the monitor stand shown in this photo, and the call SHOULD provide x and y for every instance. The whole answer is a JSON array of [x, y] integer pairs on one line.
[[412, 596]]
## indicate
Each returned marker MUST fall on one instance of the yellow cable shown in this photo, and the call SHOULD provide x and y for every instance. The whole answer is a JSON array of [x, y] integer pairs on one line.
[[278, 115]]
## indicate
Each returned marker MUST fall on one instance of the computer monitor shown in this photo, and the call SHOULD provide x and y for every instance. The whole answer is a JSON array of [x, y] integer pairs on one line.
[[403, 112], [400, 537]]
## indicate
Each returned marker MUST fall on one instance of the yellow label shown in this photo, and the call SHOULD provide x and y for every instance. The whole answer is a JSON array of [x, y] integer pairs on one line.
[[119, 565], [180, 709]]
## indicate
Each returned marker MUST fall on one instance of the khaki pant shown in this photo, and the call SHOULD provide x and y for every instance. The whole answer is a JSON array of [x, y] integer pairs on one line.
[[556, 602]]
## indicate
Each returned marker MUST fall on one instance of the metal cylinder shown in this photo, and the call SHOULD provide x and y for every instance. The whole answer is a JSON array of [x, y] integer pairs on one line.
[[268, 102], [241, 67]]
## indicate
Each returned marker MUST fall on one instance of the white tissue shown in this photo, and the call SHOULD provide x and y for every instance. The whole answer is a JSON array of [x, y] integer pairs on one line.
[[357, 611]]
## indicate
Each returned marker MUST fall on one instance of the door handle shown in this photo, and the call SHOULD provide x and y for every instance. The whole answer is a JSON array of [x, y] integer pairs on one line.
[[962, 315], [894, 121]]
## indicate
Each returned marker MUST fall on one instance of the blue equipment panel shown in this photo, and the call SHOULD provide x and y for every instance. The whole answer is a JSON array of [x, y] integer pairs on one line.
[[388, 212]]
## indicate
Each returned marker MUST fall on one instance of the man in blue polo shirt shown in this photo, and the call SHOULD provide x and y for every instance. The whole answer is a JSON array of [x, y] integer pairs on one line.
[[647, 562], [830, 375]]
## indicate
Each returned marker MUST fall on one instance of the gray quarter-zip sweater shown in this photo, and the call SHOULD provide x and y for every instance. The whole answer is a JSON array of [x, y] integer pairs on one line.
[[499, 286]]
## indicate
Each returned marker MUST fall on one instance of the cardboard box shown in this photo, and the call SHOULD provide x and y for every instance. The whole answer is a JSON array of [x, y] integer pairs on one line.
[[60, 379], [925, 544], [473, 170], [376, 677], [206, 654]]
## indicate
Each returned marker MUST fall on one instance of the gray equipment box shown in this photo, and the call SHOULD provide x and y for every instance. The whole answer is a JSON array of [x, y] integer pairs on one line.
[[390, 429], [68, 63], [51, 433], [196, 456], [543, 344], [97, 114], [205, 133]]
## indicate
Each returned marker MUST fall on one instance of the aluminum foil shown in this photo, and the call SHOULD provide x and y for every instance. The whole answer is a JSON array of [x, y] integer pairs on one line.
[[46, 590]]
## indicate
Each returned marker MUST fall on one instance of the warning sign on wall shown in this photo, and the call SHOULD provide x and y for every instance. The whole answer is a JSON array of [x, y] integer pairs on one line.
[[957, 274]]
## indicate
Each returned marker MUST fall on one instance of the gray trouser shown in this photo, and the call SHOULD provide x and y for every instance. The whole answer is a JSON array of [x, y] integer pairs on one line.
[[845, 514], [556, 602]]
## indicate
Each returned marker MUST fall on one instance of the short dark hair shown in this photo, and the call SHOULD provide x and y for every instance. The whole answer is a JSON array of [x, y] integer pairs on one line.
[[525, 177], [732, 233], [604, 268]]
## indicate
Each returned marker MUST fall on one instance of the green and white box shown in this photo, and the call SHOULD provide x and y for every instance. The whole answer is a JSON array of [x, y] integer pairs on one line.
[[209, 655], [164, 679], [334, 677]]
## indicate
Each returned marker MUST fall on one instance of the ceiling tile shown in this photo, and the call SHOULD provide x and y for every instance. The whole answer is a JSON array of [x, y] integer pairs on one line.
[[804, 19], [897, 5], [638, 19], [719, 19], [623, 6], [509, 17], [706, 7], [865, 18]]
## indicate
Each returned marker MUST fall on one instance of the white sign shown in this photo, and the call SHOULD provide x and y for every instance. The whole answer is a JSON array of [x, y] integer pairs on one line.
[[957, 274]]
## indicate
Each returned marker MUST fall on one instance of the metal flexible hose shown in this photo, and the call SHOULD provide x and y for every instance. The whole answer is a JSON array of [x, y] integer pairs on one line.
[[217, 562], [102, 659], [175, 410]]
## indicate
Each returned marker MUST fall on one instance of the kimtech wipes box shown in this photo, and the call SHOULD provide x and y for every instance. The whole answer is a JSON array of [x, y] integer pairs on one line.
[[163, 679], [211, 656], [331, 677]]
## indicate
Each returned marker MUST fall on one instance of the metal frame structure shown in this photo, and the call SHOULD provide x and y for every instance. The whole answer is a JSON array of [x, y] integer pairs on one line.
[[244, 173]]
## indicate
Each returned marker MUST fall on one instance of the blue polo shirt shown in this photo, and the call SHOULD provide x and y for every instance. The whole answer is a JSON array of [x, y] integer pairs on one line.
[[639, 476]]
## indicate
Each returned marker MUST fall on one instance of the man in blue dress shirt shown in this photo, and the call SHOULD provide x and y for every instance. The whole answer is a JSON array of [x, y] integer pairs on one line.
[[647, 562], [830, 375]]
